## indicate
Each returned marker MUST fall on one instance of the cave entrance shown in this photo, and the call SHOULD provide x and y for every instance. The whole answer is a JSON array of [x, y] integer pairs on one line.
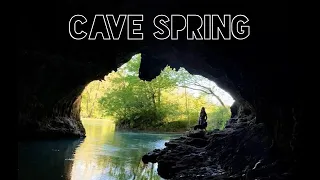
[[125, 117], [169, 103]]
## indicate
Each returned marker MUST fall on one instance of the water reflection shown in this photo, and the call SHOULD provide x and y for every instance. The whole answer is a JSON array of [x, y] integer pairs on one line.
[[104, 154], [46, 159]]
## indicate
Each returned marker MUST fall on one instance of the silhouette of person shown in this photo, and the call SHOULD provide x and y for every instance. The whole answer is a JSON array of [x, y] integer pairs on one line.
[[203, 116]]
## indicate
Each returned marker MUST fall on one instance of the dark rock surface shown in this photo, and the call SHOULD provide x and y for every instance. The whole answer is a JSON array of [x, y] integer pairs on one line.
[[53, 69], [239, 152]]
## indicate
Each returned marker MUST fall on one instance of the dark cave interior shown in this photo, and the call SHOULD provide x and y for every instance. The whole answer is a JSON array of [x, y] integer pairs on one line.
[[53, 68]]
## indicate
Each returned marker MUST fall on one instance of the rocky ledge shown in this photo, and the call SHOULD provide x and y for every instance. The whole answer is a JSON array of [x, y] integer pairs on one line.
[[51, 128], [241, 151]]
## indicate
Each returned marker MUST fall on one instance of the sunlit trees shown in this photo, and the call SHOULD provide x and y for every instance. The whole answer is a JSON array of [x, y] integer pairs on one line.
[[90, 96], [198, 83], [164, 103], [136, 103]]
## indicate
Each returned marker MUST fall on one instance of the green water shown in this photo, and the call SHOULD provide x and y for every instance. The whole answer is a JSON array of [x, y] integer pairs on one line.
[[104, 154]]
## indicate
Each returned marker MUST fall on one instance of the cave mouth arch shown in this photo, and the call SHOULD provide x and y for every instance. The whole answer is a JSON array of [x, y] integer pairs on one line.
[[118, 97], [261, 96], [250, 84], [53, 69]]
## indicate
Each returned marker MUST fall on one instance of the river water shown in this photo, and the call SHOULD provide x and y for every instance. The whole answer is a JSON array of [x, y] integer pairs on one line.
[[105, 154]]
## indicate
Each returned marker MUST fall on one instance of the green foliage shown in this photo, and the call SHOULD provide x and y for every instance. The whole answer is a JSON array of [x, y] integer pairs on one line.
[[172, 126], [219, 118], [136, 103], [161, 104], [90, 107]]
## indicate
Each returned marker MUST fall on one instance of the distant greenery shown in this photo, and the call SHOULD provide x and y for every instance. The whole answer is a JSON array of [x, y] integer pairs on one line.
[[163, 104]]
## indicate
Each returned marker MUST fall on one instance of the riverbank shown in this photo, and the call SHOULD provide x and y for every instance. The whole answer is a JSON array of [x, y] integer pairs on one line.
[[173, 127], [241, 151], [179, 126], [150, 131], [154, 130]]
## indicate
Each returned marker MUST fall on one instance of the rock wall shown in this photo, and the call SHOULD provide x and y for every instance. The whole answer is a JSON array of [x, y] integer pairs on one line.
[[242, 150], [53, 68]]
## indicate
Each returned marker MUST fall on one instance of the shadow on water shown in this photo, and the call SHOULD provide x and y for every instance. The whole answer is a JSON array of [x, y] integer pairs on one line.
[[46, 159], [104, 154]]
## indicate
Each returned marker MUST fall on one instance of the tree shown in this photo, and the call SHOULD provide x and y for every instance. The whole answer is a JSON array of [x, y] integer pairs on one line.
[[90, 96], [133, 102], [162, 103], [220, 117], [197, 83]]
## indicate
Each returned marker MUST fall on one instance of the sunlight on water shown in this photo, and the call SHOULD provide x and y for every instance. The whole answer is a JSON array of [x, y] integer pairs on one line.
[[105, 154]]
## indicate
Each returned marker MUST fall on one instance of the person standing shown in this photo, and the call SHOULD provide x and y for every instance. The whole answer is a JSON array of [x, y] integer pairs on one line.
[[203, 116]]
